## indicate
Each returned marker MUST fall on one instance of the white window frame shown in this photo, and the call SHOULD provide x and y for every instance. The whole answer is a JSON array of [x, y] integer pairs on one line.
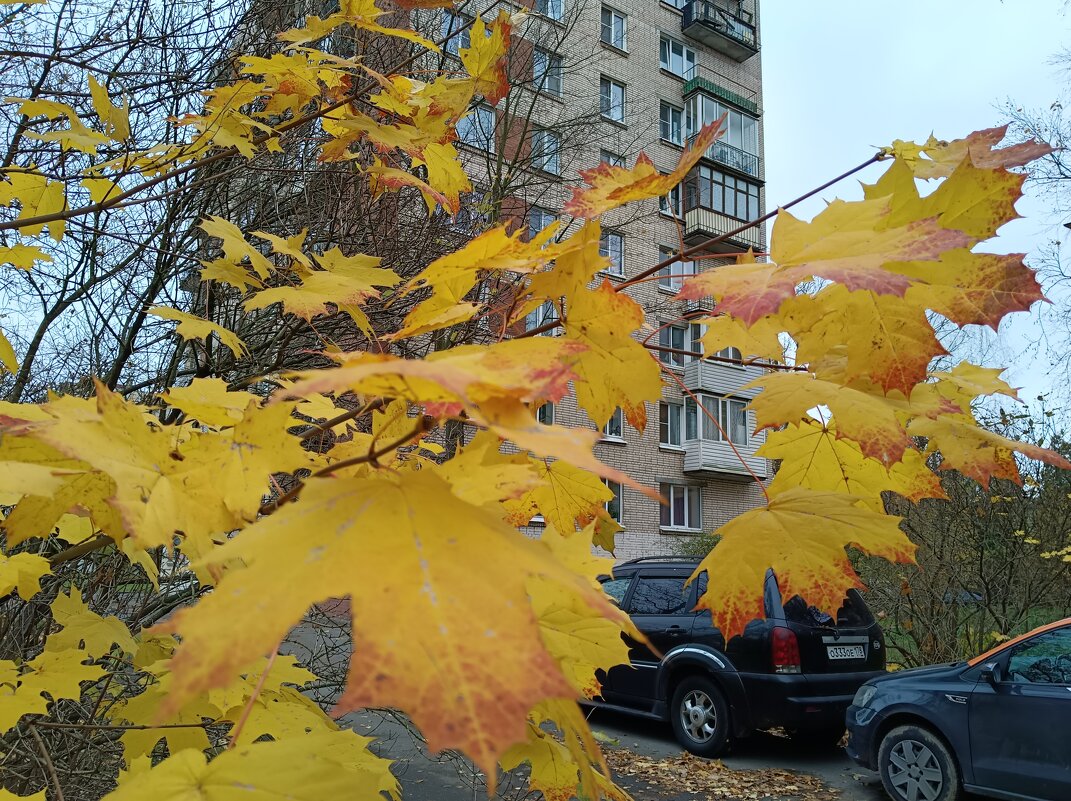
[[731, 353], [551, 9], [547, 72], [545, 413], [608, 108], [544, 313], [681, 63], [722, 408], [615, 423], [670, 203], [687, 492], [611, 158], [546, 151], [613, 28], [544, 216], [612, 247], [619, 496], [459, 38], [670, 121], [672, 278], [477, 128], [670, 416], [682, 336]]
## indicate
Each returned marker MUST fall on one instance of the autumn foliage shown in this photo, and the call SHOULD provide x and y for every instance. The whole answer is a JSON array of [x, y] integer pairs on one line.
[[501, 632]]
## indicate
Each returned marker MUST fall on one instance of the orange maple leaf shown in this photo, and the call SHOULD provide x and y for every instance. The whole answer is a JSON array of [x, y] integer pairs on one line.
[[610, 186]]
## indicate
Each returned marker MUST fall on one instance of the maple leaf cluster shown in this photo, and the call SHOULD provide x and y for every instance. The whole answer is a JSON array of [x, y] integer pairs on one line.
[[502, 633]]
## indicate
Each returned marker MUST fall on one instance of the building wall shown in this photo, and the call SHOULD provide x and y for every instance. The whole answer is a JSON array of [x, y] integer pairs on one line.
[[648, 233]]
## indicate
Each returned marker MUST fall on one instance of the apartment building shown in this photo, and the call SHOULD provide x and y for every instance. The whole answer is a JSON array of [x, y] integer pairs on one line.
[[601, 81]]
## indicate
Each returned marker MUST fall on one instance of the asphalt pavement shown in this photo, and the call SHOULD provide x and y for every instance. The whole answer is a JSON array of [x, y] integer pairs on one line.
[[450, 777]]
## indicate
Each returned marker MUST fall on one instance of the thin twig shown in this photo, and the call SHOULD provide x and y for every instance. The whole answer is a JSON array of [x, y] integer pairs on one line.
[[48, 763], [237, 730], [123, 727]]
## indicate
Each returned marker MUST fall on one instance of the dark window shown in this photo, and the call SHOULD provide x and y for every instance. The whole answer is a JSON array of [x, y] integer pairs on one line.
[[726, 194], [616, 588], [659, 596], [1045, 659]]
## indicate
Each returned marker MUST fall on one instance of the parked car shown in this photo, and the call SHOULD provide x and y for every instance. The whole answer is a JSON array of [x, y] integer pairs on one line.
[[998, 725], [796, 667]]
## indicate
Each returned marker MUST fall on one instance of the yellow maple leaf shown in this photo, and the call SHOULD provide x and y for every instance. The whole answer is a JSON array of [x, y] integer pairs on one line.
[[315, 766], [83, 628], [813, 457], [190, 326], [22, 256], [115, 119], [210, 402], [802, 534], [475, 663], [8, 360], [565, 495], [485, 58], [36, 196], [22, 572]]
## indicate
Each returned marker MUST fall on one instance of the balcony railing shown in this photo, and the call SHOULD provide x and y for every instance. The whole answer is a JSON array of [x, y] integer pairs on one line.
[[733, 157], [701, 224], [723, 25]]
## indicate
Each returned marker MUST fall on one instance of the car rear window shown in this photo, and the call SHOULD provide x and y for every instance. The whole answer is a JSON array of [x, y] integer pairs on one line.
[[853, 613], [659, 596]]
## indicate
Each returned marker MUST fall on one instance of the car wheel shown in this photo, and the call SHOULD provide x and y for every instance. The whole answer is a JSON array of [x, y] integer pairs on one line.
[[700, 716], [818, 737], [916, 766]]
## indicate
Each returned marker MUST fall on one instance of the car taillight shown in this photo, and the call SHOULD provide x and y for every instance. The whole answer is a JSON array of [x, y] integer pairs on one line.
[[784, 650]]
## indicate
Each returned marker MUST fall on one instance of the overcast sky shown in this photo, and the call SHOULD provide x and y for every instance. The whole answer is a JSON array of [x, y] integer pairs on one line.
[[841, 76]]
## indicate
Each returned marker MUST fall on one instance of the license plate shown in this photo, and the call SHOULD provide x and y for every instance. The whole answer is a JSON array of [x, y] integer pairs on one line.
[[845, 652]]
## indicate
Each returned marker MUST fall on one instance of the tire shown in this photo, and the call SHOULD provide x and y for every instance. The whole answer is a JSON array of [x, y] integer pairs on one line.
[[915, 765], [700, 717], [819, 738]]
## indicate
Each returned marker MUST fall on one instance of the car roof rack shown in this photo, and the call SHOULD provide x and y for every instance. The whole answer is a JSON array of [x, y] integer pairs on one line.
[[666, 558]]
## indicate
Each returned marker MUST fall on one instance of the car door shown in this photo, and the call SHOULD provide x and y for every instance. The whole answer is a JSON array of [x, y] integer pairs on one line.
[[1020, 723], [663, 609]]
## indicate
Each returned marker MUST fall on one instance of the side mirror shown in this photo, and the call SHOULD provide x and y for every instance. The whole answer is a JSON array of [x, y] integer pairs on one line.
[[990, 673]]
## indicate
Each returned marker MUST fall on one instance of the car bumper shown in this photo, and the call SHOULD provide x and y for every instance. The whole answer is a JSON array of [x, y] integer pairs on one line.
[[860, 722], [802, 701]]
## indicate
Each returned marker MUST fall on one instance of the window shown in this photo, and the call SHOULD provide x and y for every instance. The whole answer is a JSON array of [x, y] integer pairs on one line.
[[612, 246], [614, 160], [545, 151], [742, 130], [672, 276], [1045, 659], [710, 188], [538, 219], [682, 507], [670, 417], [730, 414], [545, 313], [730, 353], [680, 338], [547, 72], [677, 4], [670, 203], [614, 28], [613, 506], [676, 57], [660, 596], [452, 32], [616, 588], [615, 426], [611, 99], [670, 126], [550, 8], [477, 128], [545, 414]]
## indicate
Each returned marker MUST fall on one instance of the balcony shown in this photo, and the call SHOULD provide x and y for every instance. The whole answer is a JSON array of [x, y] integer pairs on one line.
[[722, 25], [709, 453], [701, 224], [732, 157]]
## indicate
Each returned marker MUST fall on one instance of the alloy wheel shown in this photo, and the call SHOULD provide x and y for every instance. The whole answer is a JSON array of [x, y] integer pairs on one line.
[[698, 716], [914, 771]]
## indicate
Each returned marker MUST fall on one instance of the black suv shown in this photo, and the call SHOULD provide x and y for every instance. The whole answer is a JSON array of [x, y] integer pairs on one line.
[[797, 667]]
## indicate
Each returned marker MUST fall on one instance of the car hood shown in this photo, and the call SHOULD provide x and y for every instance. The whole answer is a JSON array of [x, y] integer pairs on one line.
[[929, 671]]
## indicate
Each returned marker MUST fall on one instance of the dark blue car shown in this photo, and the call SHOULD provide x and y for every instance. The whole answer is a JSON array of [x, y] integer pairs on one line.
[[998, 725]]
